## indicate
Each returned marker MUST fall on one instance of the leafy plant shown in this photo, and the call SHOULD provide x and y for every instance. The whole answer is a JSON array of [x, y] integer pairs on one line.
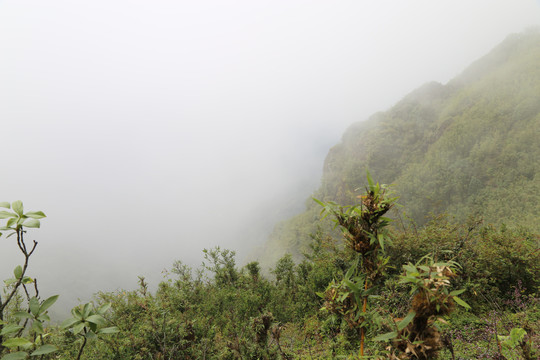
[[518, 338], [417, 334], [22, 330], [364, 229], [34, 346], [87, 322], [11, 332]]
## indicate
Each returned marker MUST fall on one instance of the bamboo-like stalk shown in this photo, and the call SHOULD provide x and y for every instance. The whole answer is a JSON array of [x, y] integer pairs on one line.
[[362, 330]]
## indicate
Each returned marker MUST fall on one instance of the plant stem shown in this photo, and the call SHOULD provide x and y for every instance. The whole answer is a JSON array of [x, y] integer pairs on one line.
[[362, 330], [82, 346]]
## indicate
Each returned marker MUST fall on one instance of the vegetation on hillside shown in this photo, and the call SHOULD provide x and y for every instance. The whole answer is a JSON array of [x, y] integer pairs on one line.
[[467, 148], [374, 293]]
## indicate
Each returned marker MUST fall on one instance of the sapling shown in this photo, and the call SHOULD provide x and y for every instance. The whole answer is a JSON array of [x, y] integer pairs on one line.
[[22, 331], [36, 314], [364, 229]]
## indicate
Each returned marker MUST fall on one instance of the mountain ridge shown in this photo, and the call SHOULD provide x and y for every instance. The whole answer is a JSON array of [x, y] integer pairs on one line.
[[469, 148]]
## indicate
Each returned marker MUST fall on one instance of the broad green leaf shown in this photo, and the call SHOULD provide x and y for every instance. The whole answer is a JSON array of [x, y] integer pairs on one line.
[[18, 272], [93, 327], [86, 310], [17, 342], [19, 355], [37, 326], [516, 336], [31, 223], [109, 330], [461, 302], [44, 349], [457, 292], [96, 319], [48, 303], [27, 280], [7, 214], [406, 320], [35, 214], [5, 204], [17, 206], [34, 306], [76, 312], [79, 327], [44, 317], [69, 323], [23, 315], [10, 222], [385, 337], [90, 335], [10, 328]]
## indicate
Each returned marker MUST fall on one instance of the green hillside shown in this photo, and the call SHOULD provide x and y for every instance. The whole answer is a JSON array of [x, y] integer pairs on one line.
[[468, 148]]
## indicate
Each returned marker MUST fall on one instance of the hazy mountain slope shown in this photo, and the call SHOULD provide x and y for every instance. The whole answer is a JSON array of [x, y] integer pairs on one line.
[[470, 147]]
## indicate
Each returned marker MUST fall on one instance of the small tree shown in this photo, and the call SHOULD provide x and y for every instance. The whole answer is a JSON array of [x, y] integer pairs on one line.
[[222, 264], [35, 315], [22, 331], [364, 229]]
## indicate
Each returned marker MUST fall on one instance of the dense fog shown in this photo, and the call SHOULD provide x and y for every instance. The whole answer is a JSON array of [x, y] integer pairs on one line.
[[149, 130]]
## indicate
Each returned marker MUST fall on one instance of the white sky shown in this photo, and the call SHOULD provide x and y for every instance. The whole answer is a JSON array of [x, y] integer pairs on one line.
[[149, 130]]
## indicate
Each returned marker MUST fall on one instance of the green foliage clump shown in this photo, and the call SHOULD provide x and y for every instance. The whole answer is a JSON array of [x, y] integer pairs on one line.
[[400, 297]]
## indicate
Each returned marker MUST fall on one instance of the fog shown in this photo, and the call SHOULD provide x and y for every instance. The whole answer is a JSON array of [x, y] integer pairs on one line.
[[149, 130]]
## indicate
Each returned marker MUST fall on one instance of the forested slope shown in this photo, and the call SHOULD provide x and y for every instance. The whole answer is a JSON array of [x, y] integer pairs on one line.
[[468, 148]]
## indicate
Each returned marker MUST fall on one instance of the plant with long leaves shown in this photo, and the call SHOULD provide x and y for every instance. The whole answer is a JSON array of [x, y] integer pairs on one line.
[[418, 334], [364, 228]]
